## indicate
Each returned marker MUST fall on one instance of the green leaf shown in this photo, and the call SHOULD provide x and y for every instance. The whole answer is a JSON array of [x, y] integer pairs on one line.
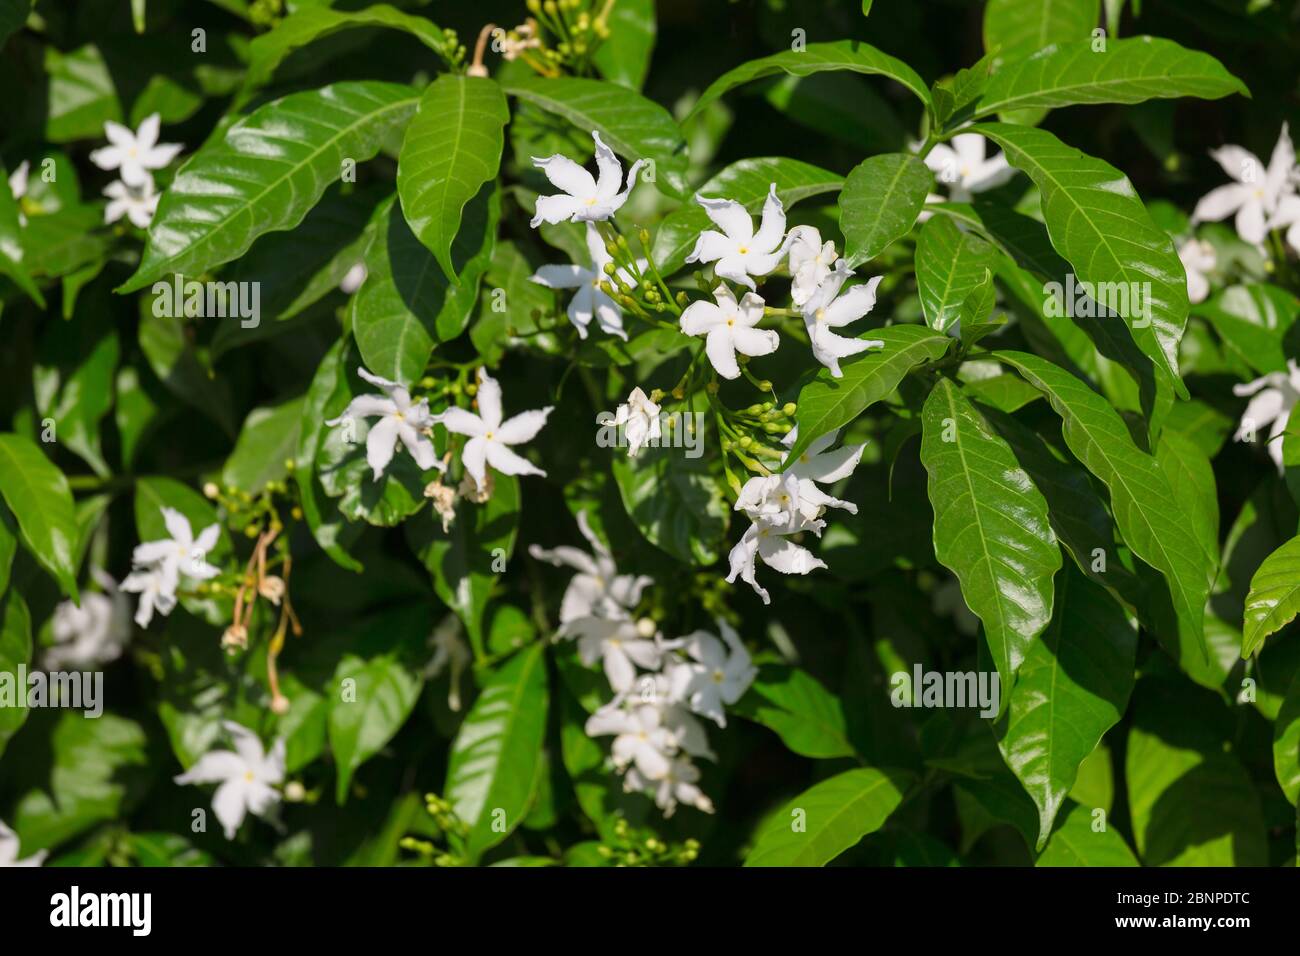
[[950, 264], [675, 501], [375, 686], [624, 57], [1127, 71], [496, 759], [1274, 598], [990, 526], [631, 125], [882, 197], [266, 174], [38, 496], [1073, 686], [827, 403], [852, 55], [8, 547], [81, 95], [467, 559], [452, 147], [1098, 223], [1145, 507], [1190, 472], [746, 182], [406, 307], [825, 820], [1012, 25], [309, 23], [13, 14], [15, 652], [1286, 742], [11, 246], [1253, 321], [808, 718], [73, 381], [182, 365], [265, 448], [1075, 843]]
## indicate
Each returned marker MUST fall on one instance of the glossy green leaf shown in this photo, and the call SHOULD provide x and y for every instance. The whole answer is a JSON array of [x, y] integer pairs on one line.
[[1190, 472], [1098, 223], [1073, 686], [311, 22], [265, 448], [1286, 742], [1145, 507], [624, 57], [1075, 842], [807, 717], [495, 761], [822, 822], [406, 307], [266, 173], [1253, 321], [746, 182], [1010, 25], [11, 246], [452, 147], [675, 501], [990, 526], [882, 197], [950, 264], [81, 94], [631, 125], [38, 496], [852, 55], [1274, 598], [1126, 71], [15, 651], [827, 403]]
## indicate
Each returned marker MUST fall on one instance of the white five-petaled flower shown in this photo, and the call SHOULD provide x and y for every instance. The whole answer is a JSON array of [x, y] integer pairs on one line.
[[400, 419], [826, 310], [585, 199], [597, 590], [1255, 193], [9, 850], [811, 262], [590, 301], [1275, 396], [134, 154], [679, 784], [738, 252], [639, 419], [618, 645], [1198, 258], [160, 564], [490, 437], [816, 465], [768, 538], [640, 738], [718, 675], [137, 203], [729, 327], [247, 776], [964, 168], [93, 634]]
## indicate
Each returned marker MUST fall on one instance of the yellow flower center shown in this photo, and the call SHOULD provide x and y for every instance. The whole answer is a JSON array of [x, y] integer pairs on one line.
[[743, 250], [248, 775]]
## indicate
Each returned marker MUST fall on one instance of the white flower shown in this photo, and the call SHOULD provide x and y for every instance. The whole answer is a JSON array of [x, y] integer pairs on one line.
[[826, 310], [1288, 214], [1275, 395], [92, 634], [729, 327], [400, 420], [589, 301], [135, 153], [679, 784], [720, 674], [617, 645], [597, 590], [1198, 258], [1255, 193], [160, 564], [768, 539], [964, 168], [18, 187], [816, 466], [639, 419], [584, 199], [640, 738], [9, 850], [738, 252], [155, 590], [247, 777], [490, 436], [353, 278], [136, 203], [811, 262]]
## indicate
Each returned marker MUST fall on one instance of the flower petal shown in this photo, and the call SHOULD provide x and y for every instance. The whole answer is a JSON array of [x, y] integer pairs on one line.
[[523, 427]]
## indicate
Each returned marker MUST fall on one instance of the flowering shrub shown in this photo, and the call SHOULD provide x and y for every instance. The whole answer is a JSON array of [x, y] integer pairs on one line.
[[435, 436]]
